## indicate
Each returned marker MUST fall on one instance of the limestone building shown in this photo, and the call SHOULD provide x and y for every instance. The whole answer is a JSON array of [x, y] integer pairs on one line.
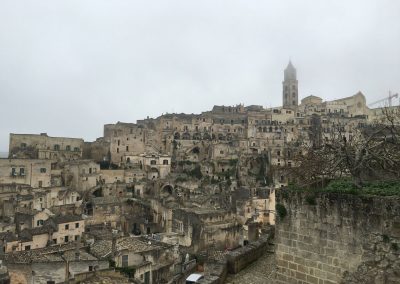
[[42, 146]]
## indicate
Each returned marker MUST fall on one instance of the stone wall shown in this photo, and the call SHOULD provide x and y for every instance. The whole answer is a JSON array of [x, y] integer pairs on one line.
[[242, 257], [337, 238]]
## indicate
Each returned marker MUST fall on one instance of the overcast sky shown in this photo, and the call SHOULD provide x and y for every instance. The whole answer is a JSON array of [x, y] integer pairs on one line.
[[69, 67]]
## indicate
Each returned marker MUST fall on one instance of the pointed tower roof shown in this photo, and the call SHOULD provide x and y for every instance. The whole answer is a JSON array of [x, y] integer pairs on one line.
[[290, 72], [290, 66]]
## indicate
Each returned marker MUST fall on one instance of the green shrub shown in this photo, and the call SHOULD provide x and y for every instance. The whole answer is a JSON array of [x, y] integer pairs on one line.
[[128, 271], [385, 238], [281, 210], [181, 179], [196, 172], [379, 188], [311, 200]]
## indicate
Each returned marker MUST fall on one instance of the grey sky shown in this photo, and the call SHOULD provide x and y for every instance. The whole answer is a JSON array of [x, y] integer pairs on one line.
[[68, 67]]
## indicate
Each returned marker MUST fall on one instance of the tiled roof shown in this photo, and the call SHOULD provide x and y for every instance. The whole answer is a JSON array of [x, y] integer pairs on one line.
[[8, 236], [47, 254], [83, 255], [61, 219], [102, 248], [107, 200], [39, 230]]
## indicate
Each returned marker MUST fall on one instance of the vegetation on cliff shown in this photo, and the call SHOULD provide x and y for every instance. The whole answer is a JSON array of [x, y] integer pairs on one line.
[[346, 186]]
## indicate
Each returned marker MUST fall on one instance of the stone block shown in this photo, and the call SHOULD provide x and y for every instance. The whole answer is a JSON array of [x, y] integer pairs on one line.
[[312, 279], [301, 276], [282, 263], [302, 269], [287, 257], [292, 265], [299, 260]]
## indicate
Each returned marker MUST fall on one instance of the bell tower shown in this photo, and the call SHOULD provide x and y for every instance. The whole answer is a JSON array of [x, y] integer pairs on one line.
[[290, 93]]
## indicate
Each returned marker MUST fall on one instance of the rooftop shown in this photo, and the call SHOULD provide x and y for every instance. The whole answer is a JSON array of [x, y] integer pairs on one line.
[[103, 248]]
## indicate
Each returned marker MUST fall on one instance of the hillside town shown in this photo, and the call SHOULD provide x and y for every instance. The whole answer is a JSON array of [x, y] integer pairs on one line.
[[163, 199]]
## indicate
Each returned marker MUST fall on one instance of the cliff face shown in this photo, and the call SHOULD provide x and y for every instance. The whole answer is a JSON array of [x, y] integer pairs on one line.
[[337, 238]]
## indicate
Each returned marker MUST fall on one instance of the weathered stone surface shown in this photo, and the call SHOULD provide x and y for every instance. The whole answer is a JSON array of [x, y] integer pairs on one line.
[[341, 239]]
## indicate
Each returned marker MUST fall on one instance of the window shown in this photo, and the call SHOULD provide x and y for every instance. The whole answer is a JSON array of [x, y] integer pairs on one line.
[[40, 183], [13, 171], [76, 149], [165, 162], [66, 227], [127, 148], [21, 171], [90, 268], [76, 238], [27, 247], [117, 150], [54, 241], [39, 222], [50, 282], [153, 162], [76, 225], [124, 260], [68, 148], [119, 142], [43, 170], [66, 239], [56, 147], [23, 145]]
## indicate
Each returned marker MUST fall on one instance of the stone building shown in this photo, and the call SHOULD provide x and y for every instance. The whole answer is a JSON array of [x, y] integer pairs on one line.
[[42, 232], [152, 261], [199, 228], [42, 146], [81, 175], [33, 172], [56, 264]]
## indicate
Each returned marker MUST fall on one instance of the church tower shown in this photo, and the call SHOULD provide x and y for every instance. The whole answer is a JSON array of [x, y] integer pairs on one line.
[[290, 87]]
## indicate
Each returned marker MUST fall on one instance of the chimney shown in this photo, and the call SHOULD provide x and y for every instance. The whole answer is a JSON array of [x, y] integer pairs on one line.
[[114, 245], [77, 252]]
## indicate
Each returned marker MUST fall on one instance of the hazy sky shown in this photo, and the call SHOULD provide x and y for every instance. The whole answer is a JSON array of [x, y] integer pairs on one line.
[[68, 67]]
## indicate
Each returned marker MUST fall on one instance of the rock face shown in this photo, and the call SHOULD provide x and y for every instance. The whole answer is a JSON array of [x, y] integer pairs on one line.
[[337, 238]]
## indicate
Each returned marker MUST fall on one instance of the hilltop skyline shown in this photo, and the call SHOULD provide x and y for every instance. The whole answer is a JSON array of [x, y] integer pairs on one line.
[[68, 68]]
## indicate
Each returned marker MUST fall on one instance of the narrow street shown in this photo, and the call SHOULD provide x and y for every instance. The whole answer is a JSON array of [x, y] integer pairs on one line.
[[259, 272]]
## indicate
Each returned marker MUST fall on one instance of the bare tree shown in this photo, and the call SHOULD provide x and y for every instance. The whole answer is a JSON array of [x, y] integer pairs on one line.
[[372, 152]]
